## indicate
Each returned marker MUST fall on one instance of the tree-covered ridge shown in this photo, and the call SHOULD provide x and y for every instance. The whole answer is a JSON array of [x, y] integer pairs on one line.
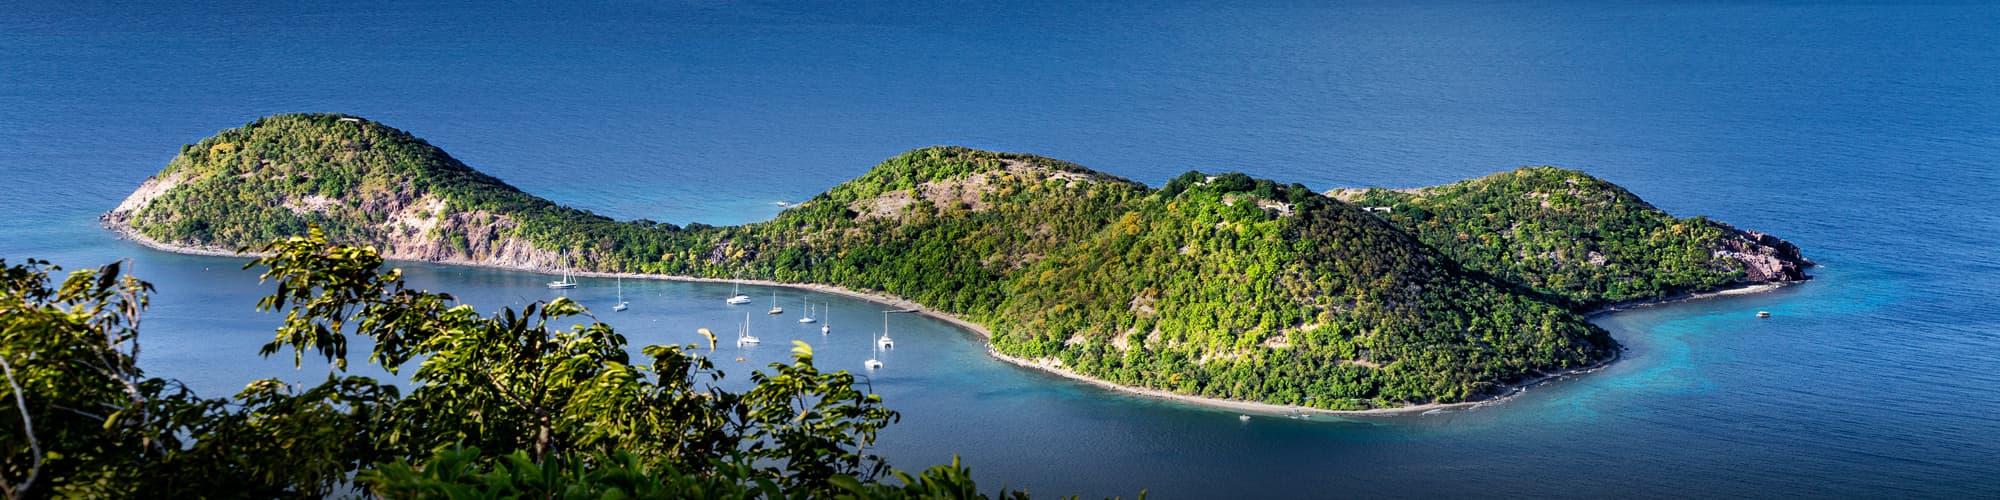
[[1236, 288], [369, 183], [942, 226], [276, 175], [1221, 286], [1579, 239]]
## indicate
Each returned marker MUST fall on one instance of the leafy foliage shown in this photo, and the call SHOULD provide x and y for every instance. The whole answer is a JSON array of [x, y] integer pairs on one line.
[[566, 411], [461, 473], [83, 419]]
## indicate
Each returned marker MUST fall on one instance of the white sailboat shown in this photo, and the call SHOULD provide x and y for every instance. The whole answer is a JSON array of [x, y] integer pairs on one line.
[[743, 337], [565, 283], [874, 351], [739, 297], [808, 317], [827, 327], [621, 296], [775, 309], [884, 342]]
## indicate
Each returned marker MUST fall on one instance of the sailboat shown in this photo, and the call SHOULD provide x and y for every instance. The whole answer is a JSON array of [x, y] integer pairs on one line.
[[884, 342], [827, 327], [565, 283], [874, 351], [774, 303], [739, 297], [743, 337], [808, 317], [621, 296]]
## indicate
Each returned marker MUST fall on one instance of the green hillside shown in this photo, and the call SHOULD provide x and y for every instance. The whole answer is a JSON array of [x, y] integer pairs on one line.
[[1578, 238], [1220, 286], [1237, 288]]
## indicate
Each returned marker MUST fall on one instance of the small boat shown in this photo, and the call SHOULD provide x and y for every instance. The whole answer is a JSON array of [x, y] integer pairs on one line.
[[1245, 418], [808, 317], [1763, 314], [621, 296], [881, 344], [875, 357], [774, 304], [563, 284], [874, 361], [884, 342], [743, 337], [827, 327], [739, 297]]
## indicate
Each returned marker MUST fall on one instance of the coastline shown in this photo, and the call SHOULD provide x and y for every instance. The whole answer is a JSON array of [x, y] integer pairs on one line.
[[1507, 392], [1741, 289]]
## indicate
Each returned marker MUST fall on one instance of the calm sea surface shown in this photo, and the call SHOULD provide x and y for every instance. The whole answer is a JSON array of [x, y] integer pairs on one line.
[[1868, 134]]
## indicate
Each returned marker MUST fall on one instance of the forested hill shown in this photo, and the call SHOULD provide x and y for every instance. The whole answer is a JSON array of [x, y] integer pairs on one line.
[[1213, 285], [362, 181], [1579, 238]]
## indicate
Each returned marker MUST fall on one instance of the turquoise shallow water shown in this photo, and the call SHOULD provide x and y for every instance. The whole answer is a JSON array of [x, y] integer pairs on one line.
[[1866, 133]]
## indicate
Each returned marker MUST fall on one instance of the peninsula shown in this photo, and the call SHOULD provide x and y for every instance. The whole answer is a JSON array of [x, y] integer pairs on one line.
[[1218, 287]]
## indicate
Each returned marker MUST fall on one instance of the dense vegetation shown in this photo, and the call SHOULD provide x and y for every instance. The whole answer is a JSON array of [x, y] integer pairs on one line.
[[1244, 289], [1563, 234], [1221, 286], [500, 405]]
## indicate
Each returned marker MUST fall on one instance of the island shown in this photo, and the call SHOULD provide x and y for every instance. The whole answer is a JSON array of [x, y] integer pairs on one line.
[[1217, 288]]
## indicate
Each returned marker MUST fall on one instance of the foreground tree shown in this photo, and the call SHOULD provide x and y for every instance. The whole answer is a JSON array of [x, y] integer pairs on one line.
[[502, 404]]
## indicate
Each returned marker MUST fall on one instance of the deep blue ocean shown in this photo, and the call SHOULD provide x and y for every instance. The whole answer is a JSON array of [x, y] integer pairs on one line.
[[1867, 133]]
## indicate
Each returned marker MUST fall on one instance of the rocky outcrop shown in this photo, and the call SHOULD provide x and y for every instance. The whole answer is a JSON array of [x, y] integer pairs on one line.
[[1765, 258], [970, 193], [147, 191], [426, 230]]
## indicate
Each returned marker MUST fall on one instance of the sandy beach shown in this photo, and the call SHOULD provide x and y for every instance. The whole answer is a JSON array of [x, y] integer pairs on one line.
[[1049, 366], [1744, 289]]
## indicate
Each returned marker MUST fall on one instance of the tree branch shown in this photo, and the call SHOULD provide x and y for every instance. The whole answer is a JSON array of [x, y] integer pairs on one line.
[[28, 424], [543, 422]]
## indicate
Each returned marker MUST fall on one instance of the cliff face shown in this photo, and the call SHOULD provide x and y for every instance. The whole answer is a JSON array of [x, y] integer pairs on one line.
[[426, 229], [1765, 258]]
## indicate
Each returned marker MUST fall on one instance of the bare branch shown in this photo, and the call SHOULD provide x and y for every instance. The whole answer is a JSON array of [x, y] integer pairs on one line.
[[28, 425], [81, 413]]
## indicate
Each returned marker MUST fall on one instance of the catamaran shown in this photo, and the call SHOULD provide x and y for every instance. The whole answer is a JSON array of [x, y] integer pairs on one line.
[[743, 337], [884, 342], [774, 303], [621, 296], [808, 317], [874, 351], [739, 297]]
